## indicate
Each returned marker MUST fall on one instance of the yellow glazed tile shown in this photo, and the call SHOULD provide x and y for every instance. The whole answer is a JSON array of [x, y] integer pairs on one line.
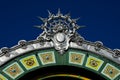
[[94, 63], [2, 77], [29, 62]]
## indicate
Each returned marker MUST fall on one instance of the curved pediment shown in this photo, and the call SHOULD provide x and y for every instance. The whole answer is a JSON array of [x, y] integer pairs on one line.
[[59, 44]]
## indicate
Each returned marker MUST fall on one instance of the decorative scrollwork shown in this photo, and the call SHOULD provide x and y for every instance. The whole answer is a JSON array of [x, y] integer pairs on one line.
[[60, 29], [116, 53], [41, 40], [98, 45], [23, 44], [80, 40], [5, 51]]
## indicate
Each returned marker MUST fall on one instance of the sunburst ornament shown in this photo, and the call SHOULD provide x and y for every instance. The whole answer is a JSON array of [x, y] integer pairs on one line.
[[59, 29], [53, 21]]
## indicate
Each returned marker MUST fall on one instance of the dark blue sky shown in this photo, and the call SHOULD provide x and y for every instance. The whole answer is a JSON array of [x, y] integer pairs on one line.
[[102, 19]]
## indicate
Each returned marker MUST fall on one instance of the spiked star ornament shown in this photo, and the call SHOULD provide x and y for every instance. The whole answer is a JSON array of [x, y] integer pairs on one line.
[[59, 18], [59, 29]]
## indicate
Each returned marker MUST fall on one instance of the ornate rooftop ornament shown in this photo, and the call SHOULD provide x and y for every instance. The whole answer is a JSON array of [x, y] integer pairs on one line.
[[59, 32]]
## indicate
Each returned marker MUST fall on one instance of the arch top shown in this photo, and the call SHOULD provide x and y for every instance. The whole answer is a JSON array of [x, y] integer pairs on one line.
[[86, 62], [59, 32]]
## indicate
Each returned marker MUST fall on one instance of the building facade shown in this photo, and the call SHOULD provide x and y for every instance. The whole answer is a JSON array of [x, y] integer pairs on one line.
[[59, 52]]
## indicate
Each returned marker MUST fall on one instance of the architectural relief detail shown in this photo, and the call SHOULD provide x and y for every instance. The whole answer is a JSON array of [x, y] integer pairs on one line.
[[59, 32], [116, 53]]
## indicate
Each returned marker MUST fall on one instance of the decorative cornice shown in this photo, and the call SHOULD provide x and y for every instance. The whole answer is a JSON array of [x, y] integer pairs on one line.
[[59, 33]]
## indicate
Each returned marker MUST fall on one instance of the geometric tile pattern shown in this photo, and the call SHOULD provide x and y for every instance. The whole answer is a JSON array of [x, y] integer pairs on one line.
[[13, 70], [29, 62], [94, 63], [76, 58], [110, 71], [47, 57], [2, 77]]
